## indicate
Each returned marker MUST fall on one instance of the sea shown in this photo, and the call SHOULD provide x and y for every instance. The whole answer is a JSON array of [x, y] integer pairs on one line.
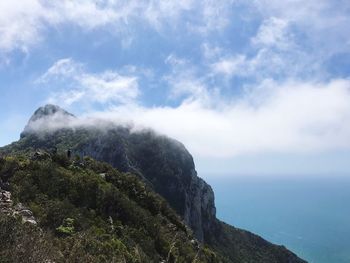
[[310, 215]]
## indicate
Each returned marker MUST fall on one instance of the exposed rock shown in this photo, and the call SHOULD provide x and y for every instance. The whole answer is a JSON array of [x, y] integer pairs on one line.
[[6, 207], [40, 155], [200, 211], [25, 213], [5, 202]]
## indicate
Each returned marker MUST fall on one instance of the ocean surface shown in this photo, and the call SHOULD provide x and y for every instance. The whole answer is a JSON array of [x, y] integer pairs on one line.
[[309, 215]]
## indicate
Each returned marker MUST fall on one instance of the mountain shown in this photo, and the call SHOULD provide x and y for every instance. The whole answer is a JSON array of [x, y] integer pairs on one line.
[[47, 118], [162, 163]]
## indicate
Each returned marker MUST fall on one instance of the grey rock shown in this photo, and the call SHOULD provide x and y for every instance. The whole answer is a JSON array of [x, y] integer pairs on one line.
[[25, 213]]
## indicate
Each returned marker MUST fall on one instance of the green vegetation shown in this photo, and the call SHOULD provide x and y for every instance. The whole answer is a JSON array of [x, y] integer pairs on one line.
[[67, 227], [239, 245], [90, 212]]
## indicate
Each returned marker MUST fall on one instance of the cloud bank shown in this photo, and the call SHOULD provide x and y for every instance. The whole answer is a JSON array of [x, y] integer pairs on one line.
[[292, 118], [277, 117]]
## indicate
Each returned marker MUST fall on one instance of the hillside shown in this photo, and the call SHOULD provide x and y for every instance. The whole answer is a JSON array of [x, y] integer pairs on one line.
[[163, 164], [87, 211]]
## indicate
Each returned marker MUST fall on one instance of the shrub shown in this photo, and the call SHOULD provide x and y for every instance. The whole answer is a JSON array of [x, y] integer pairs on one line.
[[67, 227]]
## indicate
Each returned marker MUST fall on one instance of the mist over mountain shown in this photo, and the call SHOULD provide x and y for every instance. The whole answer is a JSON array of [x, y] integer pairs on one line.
[[161, 163]]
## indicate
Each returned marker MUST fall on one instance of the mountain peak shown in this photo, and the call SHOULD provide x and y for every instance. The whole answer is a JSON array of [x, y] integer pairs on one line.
[[47, 111], [46, 118]]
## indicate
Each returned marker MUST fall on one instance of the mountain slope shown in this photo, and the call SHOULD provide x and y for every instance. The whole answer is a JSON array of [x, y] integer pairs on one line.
[[165, 165], [89, 212]]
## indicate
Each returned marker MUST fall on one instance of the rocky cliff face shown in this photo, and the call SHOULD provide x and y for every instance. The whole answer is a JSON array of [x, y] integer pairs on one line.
[[165, 165], [162, 162], [200, 211]]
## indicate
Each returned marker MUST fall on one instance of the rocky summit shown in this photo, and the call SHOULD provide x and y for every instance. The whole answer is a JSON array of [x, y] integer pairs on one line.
[[163, 164]]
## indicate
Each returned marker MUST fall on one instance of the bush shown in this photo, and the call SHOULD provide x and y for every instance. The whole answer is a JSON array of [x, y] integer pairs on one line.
[[67, 227]]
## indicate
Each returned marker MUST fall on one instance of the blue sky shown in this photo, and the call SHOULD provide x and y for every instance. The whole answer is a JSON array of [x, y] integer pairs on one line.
[[250, 87]]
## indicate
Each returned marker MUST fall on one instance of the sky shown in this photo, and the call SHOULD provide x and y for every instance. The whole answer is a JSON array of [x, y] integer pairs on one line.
[[250, 87]]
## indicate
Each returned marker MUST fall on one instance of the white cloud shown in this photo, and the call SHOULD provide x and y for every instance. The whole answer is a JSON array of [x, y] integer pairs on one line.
[[183, 80], [272, 53], [210, 51], [323, 23], [24, 25], [19, 23], [175, 61], [215, 15], [229, 66], [273, 32], [292, 117], [287, 116], [158, 12], [266, 63], [108, 86], [65, 67], [295, 39]]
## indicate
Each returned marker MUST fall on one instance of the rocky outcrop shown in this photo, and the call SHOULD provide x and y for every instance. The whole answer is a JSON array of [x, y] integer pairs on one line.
[[200, 211], [7, 208], [48, 110], [48, 117], [24, 213], [6, 204]]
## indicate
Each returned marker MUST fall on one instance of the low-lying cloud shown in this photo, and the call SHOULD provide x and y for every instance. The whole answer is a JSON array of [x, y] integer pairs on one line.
[[270, 116], [274, 118], [293, 118]]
